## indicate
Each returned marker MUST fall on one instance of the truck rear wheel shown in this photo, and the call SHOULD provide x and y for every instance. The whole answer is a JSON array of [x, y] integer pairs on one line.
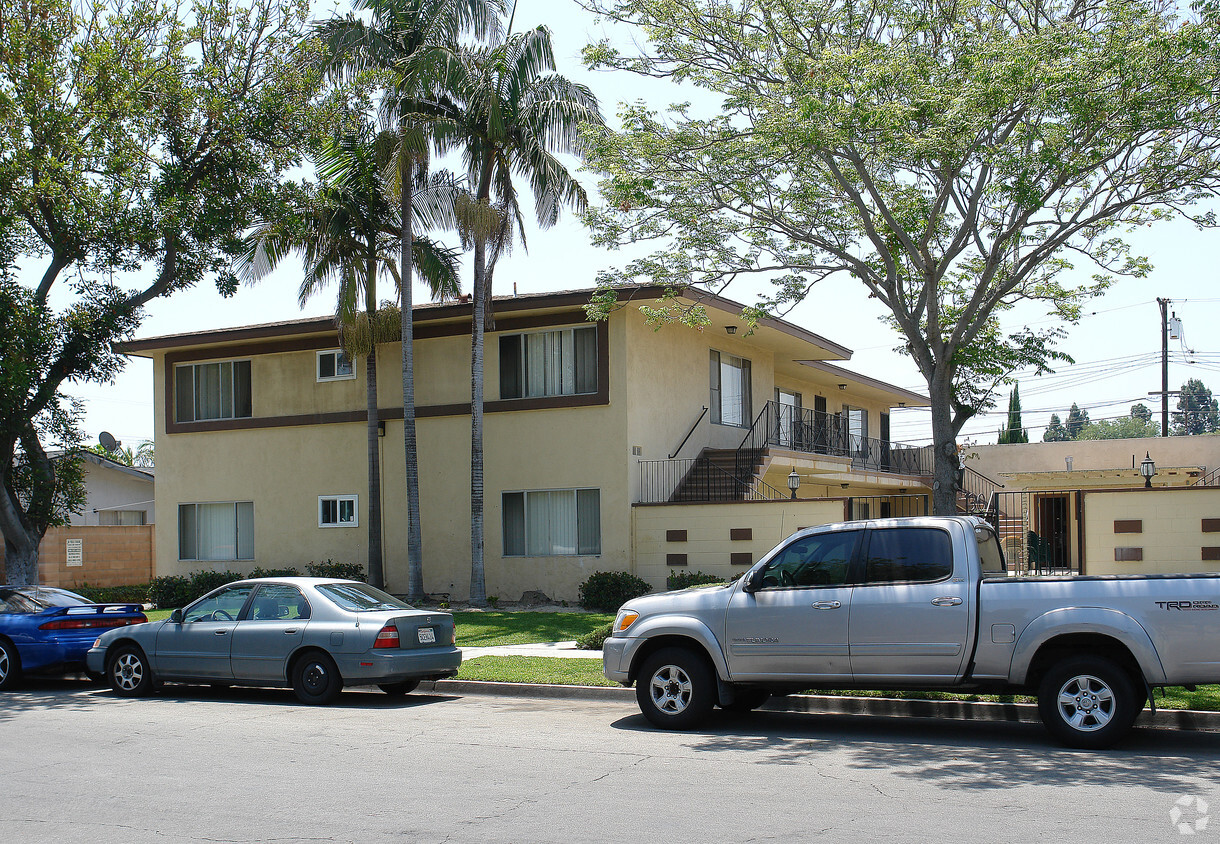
[[1088, 702], [675, 689]]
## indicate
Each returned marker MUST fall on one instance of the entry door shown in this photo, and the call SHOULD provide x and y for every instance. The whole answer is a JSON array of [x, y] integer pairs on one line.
[[270, 632], [788, 406], [796, 626], [199, 646], [910, 615]]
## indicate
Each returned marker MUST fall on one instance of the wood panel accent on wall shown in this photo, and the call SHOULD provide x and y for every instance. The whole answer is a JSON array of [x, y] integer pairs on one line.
[[675, 559], [675, 536], [741, 558], [1128, 525], [1211, 554], [1128, 555], [741, 533], [1211, 525]]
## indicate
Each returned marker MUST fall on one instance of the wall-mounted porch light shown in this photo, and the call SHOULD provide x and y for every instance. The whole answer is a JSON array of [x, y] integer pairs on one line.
[[842, 386], [730, 329]]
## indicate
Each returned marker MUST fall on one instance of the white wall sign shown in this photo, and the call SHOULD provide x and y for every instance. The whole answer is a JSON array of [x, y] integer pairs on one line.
[[76, 552]]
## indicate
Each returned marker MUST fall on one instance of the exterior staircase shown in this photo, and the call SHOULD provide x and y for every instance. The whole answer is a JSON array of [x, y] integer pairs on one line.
[[725, 474]]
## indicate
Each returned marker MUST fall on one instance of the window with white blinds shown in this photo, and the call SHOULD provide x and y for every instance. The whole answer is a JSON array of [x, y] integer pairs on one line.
[[562, 362], [552, 523]]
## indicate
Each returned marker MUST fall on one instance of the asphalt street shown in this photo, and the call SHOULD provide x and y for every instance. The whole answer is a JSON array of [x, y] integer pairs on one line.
[[78, 764]]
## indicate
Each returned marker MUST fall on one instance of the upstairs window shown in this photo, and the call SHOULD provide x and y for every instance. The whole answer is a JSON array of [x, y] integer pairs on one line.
[[212, 391], [730, 399], [333, 365], [562, 362]]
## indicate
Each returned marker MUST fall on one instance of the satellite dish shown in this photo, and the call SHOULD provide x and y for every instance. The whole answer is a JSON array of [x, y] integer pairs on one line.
[[108, 442]]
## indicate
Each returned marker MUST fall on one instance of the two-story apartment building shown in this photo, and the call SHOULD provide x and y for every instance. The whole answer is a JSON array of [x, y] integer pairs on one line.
[[260, 438]]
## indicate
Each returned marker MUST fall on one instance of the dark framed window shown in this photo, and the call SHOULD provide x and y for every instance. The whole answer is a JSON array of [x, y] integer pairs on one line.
[[730, 390], [219, 390], [908, 555], [560, 362], [216, 531], [552, 523]]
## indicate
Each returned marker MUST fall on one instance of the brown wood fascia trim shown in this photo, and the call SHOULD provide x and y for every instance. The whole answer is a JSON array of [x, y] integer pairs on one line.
[[598, 399]]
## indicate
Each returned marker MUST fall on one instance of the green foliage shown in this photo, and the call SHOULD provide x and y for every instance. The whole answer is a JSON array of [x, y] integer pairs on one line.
[[138, 141], [1197, 411], [682, 578], [174, 591], [1118, 429], [594, 639], [339, 571], [281, 572], [955, 159], [609, 590], [1076, 420], [1013, 432], [1055, 432], [137, 594]]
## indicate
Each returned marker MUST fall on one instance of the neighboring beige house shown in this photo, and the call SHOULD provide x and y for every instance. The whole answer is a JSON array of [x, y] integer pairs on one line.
[[110, 542], [604, 442], [1084, 506]]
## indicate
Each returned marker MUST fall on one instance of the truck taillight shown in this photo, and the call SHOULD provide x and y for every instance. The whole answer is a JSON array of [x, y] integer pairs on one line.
[[387, 638]]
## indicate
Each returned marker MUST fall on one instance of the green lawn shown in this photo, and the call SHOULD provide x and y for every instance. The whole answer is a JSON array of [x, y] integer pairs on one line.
[[553, 671], [484, 629]]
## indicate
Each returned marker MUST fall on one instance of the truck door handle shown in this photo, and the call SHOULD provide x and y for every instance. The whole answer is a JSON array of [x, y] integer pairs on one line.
[[290, 630], [946, 602], [222, 632], [826, 605]]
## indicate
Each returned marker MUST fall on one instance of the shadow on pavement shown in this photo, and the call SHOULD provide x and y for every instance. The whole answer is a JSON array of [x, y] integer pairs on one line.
[[966, 755], [40, 695]]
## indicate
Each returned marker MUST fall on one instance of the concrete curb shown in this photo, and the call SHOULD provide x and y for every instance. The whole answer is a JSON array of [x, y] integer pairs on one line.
[[960, 710]]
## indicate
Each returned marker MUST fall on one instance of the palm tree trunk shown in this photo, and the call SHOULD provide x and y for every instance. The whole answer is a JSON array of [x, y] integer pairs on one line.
[[376, 567], [478, 584], [415, 546]]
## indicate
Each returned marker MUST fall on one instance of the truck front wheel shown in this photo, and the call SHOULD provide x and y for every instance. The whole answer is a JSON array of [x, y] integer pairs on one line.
[[676, 689], [1088, 702]]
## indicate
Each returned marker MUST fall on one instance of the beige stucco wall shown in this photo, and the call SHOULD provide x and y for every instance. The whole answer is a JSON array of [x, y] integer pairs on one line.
[[996, 461], [1171, 536], [708, 545]]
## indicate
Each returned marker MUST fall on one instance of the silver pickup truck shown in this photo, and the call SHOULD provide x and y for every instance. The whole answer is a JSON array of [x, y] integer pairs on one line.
[[918, 603]]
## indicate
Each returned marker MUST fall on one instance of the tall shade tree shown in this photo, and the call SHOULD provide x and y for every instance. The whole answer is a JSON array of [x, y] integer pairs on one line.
[[508, 113], [953, 158], [1197, 411], [138, 140], [347, 233], [382, 44]]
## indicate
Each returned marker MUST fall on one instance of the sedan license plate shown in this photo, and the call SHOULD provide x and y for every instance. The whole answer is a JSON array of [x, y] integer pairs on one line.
[[427, 636]]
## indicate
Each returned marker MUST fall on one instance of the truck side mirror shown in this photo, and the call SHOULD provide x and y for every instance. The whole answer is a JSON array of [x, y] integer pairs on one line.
[[752, 582]]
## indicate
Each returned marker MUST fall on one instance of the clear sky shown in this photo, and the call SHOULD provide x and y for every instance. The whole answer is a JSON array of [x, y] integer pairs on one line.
[[1116, 346]]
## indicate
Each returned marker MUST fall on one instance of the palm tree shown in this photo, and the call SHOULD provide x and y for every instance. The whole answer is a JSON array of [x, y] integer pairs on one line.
[[396, 31], [507, 112], [347, 232]]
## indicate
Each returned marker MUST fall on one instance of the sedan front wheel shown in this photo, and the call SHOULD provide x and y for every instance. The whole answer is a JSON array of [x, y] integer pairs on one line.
[[128, 672]]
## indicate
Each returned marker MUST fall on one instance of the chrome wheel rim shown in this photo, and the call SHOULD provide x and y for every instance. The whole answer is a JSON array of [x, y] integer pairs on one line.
[[1086, 703], [670, 689], [5, 664], [127, 671]]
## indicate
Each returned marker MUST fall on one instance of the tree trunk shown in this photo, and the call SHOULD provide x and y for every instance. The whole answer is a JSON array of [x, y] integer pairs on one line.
[[946, 463], [21, 563], [376, 567], [478, 585], [415, 545]]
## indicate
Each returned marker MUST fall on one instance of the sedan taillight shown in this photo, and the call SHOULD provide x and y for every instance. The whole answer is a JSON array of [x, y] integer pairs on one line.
[[387, 638], [89, 623]]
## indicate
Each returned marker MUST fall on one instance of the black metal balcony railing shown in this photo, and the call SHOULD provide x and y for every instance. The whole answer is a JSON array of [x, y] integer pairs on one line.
[[814, 432], [696, 479]]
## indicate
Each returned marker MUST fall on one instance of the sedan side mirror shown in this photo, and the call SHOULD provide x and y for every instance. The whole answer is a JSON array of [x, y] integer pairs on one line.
[[176, 616]]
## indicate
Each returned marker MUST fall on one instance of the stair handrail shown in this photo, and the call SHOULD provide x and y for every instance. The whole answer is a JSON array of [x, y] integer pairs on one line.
[[698, 419], [751, 485]]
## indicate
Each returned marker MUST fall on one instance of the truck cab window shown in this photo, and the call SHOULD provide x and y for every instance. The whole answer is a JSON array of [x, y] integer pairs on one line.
[[819, 560], [908, 555]]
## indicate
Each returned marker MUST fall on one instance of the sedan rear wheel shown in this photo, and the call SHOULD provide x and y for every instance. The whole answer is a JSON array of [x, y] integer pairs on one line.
[[10, 665], [316, 680], [128, 672]]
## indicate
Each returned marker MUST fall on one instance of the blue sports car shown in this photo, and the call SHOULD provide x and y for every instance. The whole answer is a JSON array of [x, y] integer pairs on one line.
[[44, 630]]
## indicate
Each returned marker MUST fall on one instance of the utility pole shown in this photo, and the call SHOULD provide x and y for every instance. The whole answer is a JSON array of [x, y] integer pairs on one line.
[[1164, 304]]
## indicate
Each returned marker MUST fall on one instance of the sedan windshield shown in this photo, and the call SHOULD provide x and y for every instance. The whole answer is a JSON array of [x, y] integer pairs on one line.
[[360, 597]]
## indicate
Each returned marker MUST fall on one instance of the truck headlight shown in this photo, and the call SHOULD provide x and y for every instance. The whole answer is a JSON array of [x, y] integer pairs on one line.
[[624, 619]]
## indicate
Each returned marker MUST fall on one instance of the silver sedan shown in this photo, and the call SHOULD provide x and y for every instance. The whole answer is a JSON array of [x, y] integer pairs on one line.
[[313, 634]]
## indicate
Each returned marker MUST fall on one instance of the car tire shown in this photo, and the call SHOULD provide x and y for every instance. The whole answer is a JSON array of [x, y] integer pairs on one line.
[[10, 665], [746, 700], [676, 688], [1088, 702], [128, 672], [399, 689], [316, 680]]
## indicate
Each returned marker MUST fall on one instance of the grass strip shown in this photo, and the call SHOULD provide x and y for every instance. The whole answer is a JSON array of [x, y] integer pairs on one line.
[[485, 629], [552, 671]]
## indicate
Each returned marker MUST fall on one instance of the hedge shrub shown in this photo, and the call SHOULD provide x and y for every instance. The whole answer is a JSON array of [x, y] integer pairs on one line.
[[606, 591], [683, 579], [593, 640], [329, 568], [137, 594]]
